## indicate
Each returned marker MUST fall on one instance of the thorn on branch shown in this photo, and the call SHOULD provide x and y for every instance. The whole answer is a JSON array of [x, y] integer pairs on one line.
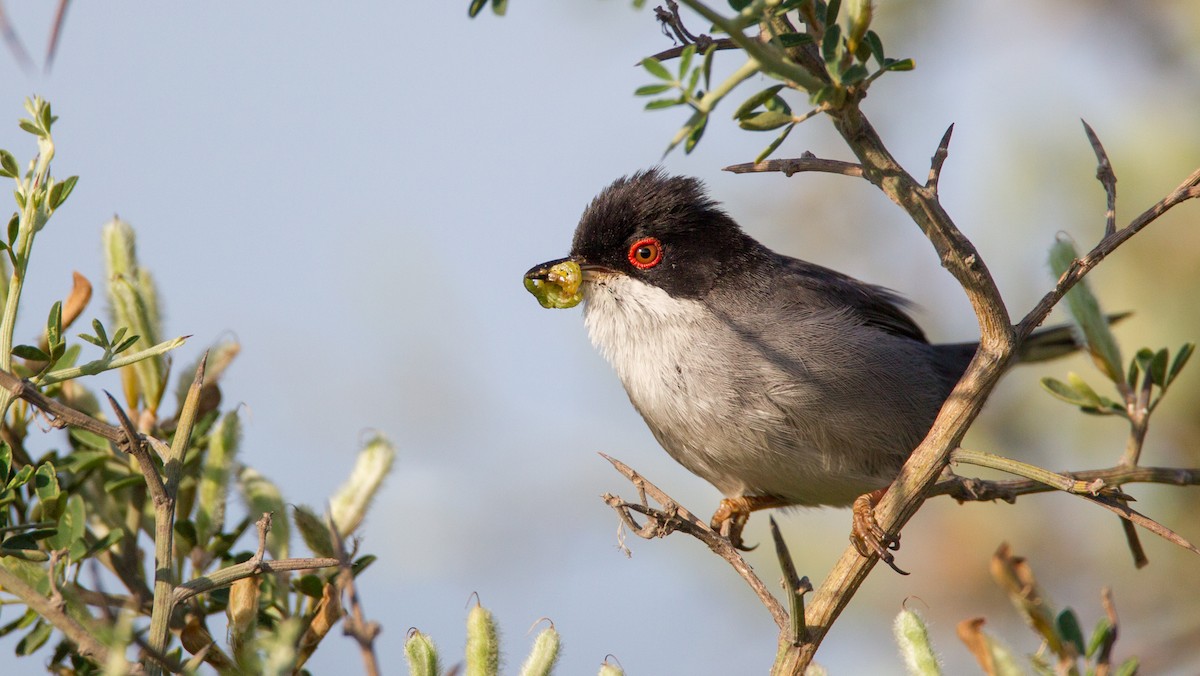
[[1108, 179], [939, 158]]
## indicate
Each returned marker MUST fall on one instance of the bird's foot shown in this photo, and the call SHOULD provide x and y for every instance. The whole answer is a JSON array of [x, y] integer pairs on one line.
[[867, 536], [732, 514]]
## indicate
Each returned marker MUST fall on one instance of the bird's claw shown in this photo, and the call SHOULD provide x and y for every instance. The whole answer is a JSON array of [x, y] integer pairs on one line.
[[868, 537], [730, 519]]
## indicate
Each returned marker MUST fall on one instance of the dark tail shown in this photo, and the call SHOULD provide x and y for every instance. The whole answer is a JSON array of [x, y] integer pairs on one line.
[[1045, 344]]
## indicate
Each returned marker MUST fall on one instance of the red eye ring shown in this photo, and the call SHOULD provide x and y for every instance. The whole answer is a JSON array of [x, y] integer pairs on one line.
[[646, 253]]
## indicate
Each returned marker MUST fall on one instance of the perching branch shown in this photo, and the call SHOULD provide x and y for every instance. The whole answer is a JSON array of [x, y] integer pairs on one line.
[[255, 565], [83, 638], [806, 162], [672, 517]]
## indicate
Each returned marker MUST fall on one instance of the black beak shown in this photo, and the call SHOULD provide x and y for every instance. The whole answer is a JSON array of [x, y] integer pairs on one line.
[[540, 271]]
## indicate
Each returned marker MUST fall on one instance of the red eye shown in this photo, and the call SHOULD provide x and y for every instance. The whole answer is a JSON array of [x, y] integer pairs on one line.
[[646, 253]]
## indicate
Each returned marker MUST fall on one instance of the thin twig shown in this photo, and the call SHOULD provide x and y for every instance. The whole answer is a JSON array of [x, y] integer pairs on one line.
[[1189, 189], [255, 565], [674, 52], [355, 624], [806, 162], [675, 517], [965, 489], [1108, 179]]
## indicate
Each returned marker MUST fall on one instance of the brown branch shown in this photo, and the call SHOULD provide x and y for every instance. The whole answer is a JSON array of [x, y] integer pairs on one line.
[[84, 639], [965, 489], [806, 162], [674, 52], [355, 624], [134, 444], [673, 517], [60, 414], [255, 565]]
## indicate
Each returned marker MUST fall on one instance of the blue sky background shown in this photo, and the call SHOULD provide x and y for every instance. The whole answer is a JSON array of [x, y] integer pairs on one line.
[[353, 190]]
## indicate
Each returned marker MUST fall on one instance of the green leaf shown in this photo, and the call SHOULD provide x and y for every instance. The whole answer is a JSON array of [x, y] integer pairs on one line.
[[21, 622], [693, 80], [685, 60], [116, 485], [88, 439], [1065, 392], [101, 334], [765, 121], [30, 352], [8, 165], [1128, 668], [14, 226], [1181, 360], [362, 563], [655, 68], [831, 13], [61, 191], [314, 531], [902, 64], [475, 8], [499, 7], [774, 144], [1068, 628], [829, 46], [876, 46], [739, 5], [71, 524], [310, 585], [125, 344], [5, 462], [1099, 636], [45, 484], [659, 104], [31, 128], [651, 90], [26, 541], [708, 61], [756, 100], [35, 639], [854, 74], [185, 534], [21, 478], [694, 136], [1158, 367], [114, 536]]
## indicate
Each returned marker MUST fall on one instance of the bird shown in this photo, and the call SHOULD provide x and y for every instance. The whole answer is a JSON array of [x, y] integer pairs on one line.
[[780, 382]]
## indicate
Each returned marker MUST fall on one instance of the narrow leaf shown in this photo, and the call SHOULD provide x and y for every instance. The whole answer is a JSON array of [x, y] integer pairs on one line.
[[655, 68], [650, 90], [1181, 360]]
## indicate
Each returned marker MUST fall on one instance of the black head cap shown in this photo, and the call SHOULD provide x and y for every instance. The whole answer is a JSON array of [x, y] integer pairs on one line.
[[698, 241]]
